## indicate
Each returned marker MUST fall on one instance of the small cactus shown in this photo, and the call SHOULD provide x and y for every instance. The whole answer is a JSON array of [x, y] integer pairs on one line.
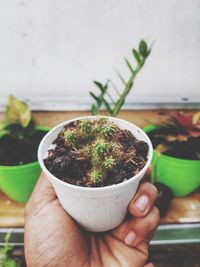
[[86, 126], [96, 176], [70, 136], [108, 130], [92, 141], [109, 162], [99, 147], [86, 151]]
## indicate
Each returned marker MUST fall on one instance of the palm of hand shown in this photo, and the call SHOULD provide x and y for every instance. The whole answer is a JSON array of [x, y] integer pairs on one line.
[[52, 238]]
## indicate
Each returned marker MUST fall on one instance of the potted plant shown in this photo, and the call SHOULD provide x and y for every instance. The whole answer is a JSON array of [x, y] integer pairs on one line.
[[19, 140], [176, 159], [95, 164]]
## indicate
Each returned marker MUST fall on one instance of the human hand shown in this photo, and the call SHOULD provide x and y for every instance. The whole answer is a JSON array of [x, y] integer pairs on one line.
[[53, 239]]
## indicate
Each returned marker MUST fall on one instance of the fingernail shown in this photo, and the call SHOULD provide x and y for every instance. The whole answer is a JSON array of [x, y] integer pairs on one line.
[[129, 238], [142, 202]]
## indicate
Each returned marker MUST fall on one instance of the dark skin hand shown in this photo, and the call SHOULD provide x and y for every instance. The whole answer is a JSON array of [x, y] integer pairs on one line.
[[53, 239]]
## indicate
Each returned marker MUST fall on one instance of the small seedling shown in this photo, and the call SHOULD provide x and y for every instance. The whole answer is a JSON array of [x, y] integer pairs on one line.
[[86, 126], [109, 162], [5, 260], [96, 176], [70, 136]]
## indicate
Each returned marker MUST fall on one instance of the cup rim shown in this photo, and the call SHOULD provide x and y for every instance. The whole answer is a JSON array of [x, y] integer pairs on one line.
[[94, 189]]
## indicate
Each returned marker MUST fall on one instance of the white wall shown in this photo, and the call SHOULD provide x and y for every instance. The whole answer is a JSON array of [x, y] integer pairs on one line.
[[53, 50]]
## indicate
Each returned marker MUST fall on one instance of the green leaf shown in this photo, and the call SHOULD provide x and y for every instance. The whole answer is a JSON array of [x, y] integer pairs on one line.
[[18, 112], [121, 78], [107, 105], [137, 56], [3, 125], [94, 110], [95, 98], [129, 65], [143, 49], [102, 87]]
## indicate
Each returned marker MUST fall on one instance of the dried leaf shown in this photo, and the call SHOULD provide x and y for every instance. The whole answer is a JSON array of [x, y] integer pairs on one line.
[[162, 148], [18, 112], [196, 118]]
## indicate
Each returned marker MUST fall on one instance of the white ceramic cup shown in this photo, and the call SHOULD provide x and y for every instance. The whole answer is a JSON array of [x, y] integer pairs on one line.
[[95, 209]]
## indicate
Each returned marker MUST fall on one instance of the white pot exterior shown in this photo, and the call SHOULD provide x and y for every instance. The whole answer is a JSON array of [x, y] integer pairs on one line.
[[95, 209]]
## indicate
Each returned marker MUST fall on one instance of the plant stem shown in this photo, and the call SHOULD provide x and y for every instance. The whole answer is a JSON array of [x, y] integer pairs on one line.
[[126, 90]]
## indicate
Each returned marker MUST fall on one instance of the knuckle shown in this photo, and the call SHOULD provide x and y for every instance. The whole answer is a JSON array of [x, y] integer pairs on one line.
[[156, 214], [153, 220], [150, 188]]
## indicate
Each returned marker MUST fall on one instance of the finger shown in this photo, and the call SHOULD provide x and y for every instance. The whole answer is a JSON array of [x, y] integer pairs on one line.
[[138, 230], [141, 229], [149, 265], [144, 200]]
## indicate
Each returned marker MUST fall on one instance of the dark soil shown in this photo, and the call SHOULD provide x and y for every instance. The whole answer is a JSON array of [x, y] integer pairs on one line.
[[69, 165], [181, 145], [18, 152]]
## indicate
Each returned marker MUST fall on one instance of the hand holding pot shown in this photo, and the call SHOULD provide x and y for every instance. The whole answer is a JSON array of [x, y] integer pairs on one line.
[[52, 238]]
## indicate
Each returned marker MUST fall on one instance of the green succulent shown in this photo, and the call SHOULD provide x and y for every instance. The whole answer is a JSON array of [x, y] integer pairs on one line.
[[86, 126], [96, 176], [108, 130], [70, 136], [99, 149], [109, 162], [86, 151], [91, 139]]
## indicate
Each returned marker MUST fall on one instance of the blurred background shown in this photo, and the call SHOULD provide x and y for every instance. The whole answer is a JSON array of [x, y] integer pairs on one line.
[[51, 51]]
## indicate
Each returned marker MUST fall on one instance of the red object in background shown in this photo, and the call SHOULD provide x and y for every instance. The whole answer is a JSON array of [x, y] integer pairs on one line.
[[148, 171], [190, 121]]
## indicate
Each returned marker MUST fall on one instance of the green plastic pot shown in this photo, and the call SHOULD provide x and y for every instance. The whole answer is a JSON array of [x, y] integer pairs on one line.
[[17, 182], [180, 175]]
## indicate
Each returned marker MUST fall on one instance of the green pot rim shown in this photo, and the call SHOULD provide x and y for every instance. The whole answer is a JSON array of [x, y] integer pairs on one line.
[[28, 165], [151, 127]]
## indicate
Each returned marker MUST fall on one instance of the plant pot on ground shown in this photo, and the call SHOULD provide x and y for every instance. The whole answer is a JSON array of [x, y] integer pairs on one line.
[[95, 165], [19, 140], [176, 158]]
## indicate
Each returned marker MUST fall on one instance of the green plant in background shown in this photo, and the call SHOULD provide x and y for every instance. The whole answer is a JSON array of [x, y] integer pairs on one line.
[[5, 260], [18, 119], [104, 99]]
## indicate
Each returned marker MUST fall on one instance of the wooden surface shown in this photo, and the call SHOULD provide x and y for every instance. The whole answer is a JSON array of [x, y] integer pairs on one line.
[[182, 210], [11, 213]]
